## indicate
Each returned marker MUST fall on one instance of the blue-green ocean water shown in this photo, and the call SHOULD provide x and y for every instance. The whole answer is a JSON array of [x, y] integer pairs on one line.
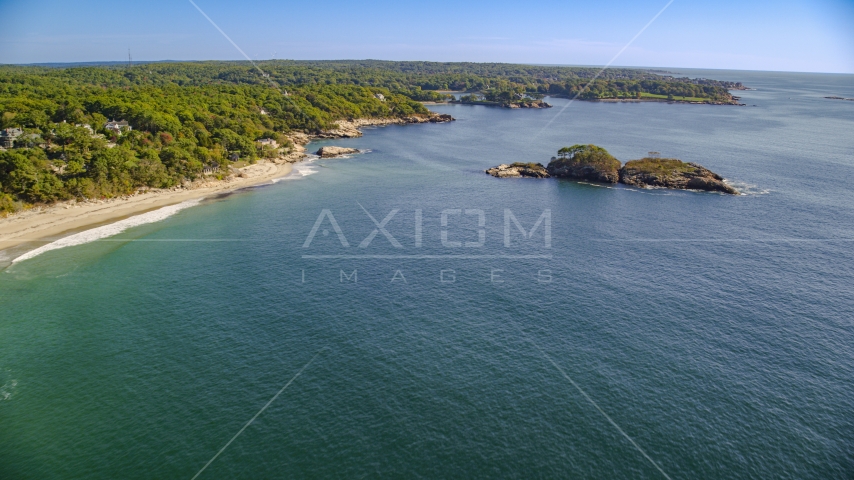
[[715, 331]]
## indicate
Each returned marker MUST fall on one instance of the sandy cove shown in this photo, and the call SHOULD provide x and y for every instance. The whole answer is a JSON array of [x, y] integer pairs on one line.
[[44, 224]]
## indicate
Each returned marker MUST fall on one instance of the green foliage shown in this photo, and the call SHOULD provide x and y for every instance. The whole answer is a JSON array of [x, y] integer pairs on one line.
[[588, 155], [532, 165], [658, 165], [26, 175], [8, 204]]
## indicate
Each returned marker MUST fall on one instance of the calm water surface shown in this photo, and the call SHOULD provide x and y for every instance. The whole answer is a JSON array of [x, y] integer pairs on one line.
[[714, 331]]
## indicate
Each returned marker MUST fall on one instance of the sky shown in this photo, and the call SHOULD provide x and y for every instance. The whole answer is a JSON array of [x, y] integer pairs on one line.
[[783, 35]]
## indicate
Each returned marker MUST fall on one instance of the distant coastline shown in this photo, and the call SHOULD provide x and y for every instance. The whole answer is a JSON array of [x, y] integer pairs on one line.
[[735, 102]]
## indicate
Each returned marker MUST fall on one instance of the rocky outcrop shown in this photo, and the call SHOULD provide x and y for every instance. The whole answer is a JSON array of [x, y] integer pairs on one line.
[[585, 162], [535, 170], [331, 152], [531, 104], [350, 128], [589, 162], [672, 173], [440, 118]]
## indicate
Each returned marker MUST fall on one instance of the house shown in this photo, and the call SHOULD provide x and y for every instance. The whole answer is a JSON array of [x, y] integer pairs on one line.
[[8, 136], [118, 127], [210, 169], [267, 142], [380, 97]]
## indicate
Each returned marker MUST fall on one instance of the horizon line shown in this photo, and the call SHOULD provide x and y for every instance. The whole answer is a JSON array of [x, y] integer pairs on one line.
[[639, 67]]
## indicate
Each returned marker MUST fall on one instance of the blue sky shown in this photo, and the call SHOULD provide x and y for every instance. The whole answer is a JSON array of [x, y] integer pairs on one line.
[[787, 35]]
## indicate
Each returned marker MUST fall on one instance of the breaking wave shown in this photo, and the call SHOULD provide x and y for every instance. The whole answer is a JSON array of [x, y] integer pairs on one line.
[[300, 170], [110, 230], [747, 188]]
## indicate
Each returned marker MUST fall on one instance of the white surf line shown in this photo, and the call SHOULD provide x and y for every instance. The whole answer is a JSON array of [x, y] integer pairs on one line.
[[259, 412], [604, 68], [596, 405], [109, 230]]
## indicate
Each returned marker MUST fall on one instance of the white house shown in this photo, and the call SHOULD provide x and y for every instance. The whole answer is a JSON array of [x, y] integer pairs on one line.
[[118, 127]]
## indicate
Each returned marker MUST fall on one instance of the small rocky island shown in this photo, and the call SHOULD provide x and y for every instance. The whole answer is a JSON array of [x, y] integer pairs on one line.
[[526, 104], [332, 152], [592, 163], [535, 170], [506, 101]]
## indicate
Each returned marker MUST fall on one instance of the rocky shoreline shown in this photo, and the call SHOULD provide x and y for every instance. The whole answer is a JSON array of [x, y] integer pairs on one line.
[[673, 174], [534, 170], [350, 128], [592, 163], [332, 151], [734, 102], [528, 104]]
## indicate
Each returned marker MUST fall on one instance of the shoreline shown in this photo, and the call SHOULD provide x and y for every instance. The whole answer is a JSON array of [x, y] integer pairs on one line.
[[41, 225], [603, 100]]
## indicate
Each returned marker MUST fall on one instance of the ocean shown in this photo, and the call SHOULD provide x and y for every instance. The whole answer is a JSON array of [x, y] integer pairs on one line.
[[399, 313]]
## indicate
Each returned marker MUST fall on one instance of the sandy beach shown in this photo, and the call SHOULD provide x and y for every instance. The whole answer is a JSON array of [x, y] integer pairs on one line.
[[41, 225]]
